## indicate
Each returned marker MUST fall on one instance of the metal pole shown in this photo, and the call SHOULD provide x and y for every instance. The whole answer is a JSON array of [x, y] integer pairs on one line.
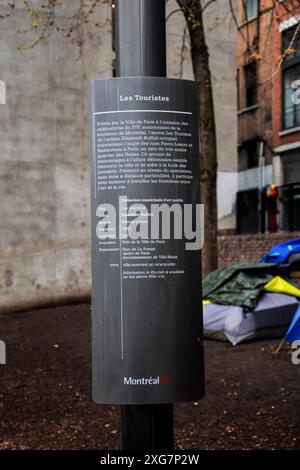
[[140, 38], [140, 46], [147, 428]]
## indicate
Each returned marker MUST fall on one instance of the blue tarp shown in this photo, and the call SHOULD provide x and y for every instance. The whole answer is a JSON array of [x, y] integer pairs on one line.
[[293, 333], [280, 254]]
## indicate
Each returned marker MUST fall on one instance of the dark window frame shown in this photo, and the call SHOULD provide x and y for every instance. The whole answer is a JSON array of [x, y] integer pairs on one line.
[[247, 220], [245, 15], [250, 147], [250, 100], [291, 62]]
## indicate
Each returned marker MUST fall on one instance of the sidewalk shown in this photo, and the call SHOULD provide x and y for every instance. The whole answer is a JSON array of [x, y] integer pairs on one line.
[[252, 399]]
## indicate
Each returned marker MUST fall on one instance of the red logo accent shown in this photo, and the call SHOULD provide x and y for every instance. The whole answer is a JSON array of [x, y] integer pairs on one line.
[[164, 379]]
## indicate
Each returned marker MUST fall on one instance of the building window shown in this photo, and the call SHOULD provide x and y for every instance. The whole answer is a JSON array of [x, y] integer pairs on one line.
[[250, 148], [290, 73], [250, 72], [290, 43], [250, 9], [247, 211], [290, 111]]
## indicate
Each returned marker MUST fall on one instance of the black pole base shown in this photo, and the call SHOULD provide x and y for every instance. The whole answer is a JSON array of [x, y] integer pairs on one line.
[[147, 428]]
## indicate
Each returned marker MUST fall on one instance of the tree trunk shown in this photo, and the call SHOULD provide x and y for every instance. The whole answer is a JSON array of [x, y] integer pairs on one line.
[[208, 147]]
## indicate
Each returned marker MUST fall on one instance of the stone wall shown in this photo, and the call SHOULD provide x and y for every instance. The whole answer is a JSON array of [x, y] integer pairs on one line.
[[44, 160], [44, 146]]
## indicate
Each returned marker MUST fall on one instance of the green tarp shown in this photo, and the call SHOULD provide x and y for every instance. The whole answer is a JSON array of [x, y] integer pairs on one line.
[[238, 284]]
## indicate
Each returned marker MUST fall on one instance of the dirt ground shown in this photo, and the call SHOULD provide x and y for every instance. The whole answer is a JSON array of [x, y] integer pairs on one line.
[[252, 398]]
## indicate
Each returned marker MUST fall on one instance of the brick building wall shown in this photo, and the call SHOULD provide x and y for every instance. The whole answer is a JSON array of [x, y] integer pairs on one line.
[[233, 248], [255, 39], [292, 135]]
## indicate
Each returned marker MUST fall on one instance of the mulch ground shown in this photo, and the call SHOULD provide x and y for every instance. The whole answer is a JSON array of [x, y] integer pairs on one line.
[[252, 398]]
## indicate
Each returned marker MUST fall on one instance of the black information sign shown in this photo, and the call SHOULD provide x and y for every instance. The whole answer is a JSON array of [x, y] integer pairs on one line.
[[146, 296]]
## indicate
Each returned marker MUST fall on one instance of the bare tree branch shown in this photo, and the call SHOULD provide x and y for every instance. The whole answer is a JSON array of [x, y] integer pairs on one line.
[[173, 13]]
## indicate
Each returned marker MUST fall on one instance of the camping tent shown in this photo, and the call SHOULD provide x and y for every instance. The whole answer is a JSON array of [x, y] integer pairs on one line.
[[271, 316], [280, 254], [293, 333]]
